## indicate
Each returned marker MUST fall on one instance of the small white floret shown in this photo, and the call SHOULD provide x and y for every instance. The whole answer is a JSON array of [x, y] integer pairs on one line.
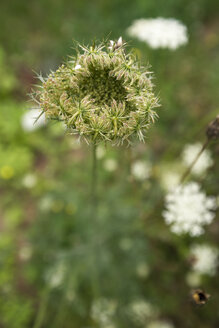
[[77, 66]]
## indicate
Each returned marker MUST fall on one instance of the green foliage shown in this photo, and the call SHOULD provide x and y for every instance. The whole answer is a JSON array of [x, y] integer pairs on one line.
[[15, 313], [15, 310], [8, 80]]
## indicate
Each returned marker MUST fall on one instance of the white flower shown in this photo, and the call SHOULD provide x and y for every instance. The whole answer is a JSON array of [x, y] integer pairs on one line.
[[110, 164], [103, 310], [77, 66], [205, 259], [159, 32], [203, 163], [32, 120], [29, 180], [160, 324], [141, 170], [188, 209], [141, 310]]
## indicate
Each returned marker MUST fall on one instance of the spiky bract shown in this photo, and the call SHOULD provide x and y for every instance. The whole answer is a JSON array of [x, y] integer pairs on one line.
[[101, 94]]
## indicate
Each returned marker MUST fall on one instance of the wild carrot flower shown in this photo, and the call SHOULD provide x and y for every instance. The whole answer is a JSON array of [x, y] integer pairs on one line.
[[204, 259], [188, 209], [203, 163], [101, 94], [159, 32], [141, 170]]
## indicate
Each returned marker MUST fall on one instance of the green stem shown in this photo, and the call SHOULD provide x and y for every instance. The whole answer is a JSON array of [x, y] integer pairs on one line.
[[42, 310], [129, 160], [94, 177], [94, 200], [188, 171]]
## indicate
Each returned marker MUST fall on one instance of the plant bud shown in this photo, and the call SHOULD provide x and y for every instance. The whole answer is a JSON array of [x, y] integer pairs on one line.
[[213, 129]]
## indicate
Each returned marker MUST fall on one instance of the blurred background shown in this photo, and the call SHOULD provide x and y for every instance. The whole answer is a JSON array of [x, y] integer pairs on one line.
[[59, 266]]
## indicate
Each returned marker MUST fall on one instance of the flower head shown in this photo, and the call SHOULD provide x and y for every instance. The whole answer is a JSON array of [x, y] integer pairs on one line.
[[141, 170], [101, 94], [159, 32], [205, 259], [203, 163], [188, 209]]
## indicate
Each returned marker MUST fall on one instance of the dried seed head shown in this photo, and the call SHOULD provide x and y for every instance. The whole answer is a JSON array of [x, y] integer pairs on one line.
[[213, 129], [101, 94]]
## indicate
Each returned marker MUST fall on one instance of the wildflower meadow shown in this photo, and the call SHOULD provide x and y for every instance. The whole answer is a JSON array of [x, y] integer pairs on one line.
[[109, 171]]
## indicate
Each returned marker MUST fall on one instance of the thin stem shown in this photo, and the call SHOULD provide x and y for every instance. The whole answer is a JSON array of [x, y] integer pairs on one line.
[[129, 160], [188, 171], [94, 176], [42, 310], [94, 200]]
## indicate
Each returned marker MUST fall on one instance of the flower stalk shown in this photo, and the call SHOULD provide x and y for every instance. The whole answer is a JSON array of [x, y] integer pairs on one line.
[[188, 171], [94, 197], [212, 134]]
